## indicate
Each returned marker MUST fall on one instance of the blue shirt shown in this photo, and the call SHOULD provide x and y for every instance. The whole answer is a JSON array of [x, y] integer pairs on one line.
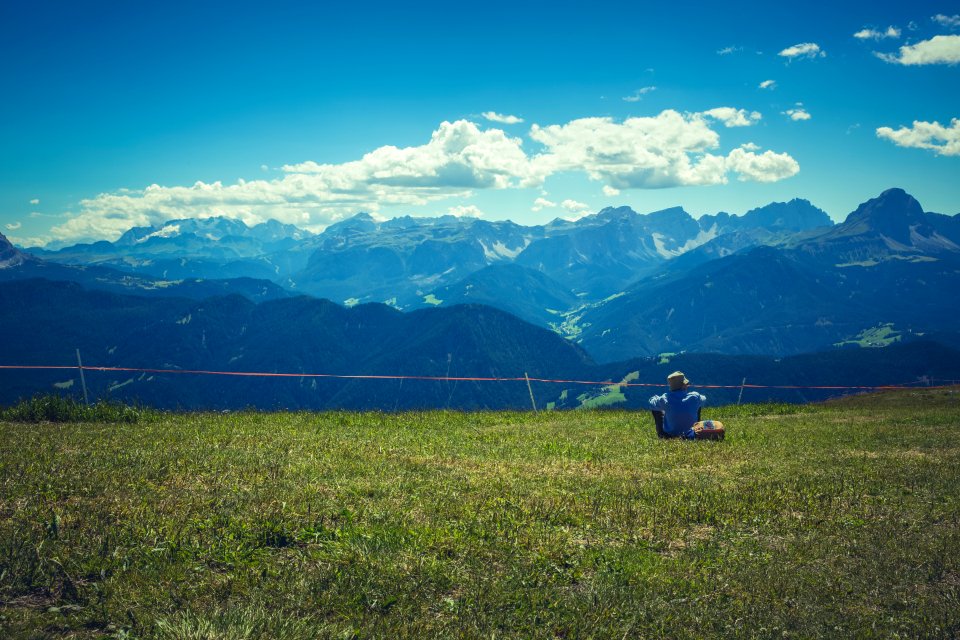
[[680, 410]]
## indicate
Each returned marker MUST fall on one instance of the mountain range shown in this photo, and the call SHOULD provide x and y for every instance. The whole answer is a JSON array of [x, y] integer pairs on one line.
[[888, 263], [304, 335], [404, 260], [780, 280]]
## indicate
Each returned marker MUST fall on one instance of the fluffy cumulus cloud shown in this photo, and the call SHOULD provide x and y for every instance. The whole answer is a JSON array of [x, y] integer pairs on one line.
[[637, 95], [797, 114], [936, 50], [940, 139], [667, 150], [951, 22], [575, 207], [768, 84], [874, 34], [460, 158], [803, 50], [493, 116], [731, 117], [465, 211], [761, 167], [542, 203]]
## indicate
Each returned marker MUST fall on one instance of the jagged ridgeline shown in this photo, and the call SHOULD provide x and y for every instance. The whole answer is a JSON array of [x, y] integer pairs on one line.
[[612, 295]]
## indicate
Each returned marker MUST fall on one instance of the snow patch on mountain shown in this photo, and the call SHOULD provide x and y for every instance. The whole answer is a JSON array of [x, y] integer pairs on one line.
[[702, 237], [500, 251], [168, 231]]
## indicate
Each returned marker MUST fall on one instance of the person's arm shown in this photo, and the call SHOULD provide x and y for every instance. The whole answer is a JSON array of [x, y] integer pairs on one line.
[[658, 403]]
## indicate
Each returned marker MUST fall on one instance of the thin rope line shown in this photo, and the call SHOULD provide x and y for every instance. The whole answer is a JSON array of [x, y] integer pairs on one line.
[[261, 374]]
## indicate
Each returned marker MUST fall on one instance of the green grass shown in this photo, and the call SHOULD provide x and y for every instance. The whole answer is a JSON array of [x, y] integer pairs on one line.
[[834, 520], [55, 408], [882, 335], [606, 396]]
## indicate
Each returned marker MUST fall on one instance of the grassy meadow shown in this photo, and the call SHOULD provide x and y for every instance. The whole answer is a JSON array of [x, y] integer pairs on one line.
[[833, 520]]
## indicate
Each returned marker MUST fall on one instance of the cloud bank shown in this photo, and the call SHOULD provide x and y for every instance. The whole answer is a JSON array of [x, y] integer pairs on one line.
[[666, 150]]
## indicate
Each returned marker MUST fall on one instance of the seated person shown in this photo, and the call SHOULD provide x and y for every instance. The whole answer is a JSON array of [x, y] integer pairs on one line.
[[676, 413]]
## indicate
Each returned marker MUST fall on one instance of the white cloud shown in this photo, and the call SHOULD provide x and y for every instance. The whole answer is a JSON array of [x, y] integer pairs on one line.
[[951, 22], [797, 114], [493, 116], [731, 117], [667, 150], [936, 50], [459, 155], [458, 158], [768, 84], [944, 141], [761, 167], [610, 191], [803, 50], [465, 211], [13, 226], [749, 146], [264, 168], [35, 201], [637, 95], [542, 203], [574, 207], [728, 50], [873, 34]]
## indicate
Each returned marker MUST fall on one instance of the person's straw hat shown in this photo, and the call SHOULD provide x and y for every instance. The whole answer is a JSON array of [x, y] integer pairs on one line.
[[676, 380]]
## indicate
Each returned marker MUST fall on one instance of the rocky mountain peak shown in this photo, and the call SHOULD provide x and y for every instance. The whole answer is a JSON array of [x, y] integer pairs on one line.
[[608, 214], [10, 256], [362, 222], [796, 215], [893, 207]]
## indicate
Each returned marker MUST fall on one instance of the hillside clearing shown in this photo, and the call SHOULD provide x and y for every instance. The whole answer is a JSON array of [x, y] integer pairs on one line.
[[839, 519]]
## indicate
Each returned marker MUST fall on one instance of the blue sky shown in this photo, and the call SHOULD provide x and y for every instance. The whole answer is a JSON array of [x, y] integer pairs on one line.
[[123, 114]]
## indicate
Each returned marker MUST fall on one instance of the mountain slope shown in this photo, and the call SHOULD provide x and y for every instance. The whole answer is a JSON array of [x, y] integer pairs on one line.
[[405, 258], [18, 265], [46, 321], [892, 226], [758, 301], [215, 247], [523, 292], [816, 290]]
